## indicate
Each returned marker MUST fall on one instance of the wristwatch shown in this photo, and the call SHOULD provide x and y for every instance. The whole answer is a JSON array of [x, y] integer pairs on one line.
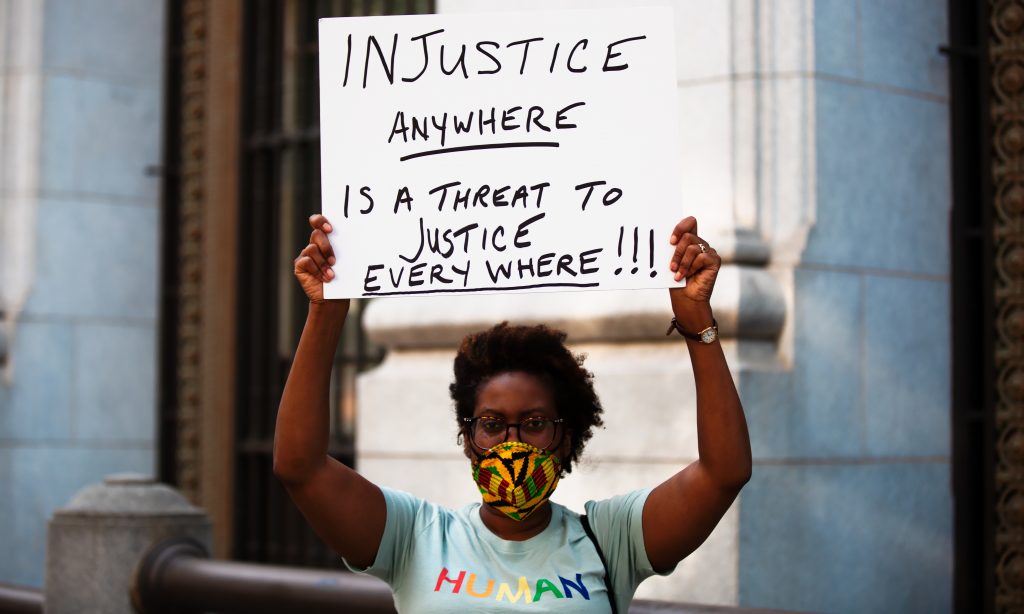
[[706, 336]]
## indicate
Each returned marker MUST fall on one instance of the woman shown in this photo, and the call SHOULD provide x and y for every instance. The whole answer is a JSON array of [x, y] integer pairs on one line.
[[525, 408]]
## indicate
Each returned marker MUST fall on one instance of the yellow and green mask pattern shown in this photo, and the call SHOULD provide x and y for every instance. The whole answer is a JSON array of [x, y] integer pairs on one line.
[[516, 478]]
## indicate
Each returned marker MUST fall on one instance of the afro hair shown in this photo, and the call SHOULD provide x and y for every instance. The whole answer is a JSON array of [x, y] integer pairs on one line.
[[536, 350]]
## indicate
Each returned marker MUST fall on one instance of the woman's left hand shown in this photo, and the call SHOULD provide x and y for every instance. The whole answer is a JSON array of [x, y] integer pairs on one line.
[[699, 263], [682, 511]]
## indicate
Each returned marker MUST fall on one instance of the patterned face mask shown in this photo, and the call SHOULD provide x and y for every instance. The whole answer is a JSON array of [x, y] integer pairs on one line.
[[516, 478]]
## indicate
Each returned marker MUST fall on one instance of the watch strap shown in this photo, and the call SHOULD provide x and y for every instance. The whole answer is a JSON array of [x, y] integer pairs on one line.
[[674, 325]]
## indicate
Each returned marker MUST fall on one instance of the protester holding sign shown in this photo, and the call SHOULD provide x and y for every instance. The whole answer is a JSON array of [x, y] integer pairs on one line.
[[525, 408]]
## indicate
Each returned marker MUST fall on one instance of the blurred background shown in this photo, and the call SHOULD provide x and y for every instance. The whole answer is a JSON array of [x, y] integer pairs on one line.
[[855, 161]]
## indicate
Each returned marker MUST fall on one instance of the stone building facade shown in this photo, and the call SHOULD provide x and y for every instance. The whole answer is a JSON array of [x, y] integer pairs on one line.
[[816, 155]]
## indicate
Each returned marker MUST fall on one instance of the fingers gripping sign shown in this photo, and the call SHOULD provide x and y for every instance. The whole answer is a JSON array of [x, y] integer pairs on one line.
[[694, 260], [313, 266]]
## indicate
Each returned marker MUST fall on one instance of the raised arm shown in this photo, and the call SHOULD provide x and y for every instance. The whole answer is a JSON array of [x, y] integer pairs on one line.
[[346, 510], [682, 511]]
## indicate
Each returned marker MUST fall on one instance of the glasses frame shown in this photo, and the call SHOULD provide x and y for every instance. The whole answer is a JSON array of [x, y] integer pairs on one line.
[[468, 427]]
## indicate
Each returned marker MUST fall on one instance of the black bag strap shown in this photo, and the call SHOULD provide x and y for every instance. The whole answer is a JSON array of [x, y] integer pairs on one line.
[[604, 563]]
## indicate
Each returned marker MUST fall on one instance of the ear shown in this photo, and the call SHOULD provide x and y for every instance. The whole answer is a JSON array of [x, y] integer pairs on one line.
[[467, 446], [565, 449]]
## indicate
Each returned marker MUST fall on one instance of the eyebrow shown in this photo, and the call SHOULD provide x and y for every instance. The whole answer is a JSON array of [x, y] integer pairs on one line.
[[536, 411]]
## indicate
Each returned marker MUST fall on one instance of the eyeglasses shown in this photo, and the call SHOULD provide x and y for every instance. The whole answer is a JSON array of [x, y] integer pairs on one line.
[[488, 431]]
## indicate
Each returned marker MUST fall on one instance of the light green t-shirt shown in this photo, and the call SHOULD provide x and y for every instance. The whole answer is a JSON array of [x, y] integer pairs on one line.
[[442, 560]]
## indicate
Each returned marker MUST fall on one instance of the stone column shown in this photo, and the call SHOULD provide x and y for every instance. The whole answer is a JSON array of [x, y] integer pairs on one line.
[[95, 542]]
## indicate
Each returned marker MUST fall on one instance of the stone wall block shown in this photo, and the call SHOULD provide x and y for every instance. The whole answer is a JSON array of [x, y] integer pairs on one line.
[[900, 45], [899, 219], [867, 537], [906, 366], [96, 541], [107, 402], [40, 406], [824, 419], [89, 269], [98, 139], [836, 39], [90, 39]]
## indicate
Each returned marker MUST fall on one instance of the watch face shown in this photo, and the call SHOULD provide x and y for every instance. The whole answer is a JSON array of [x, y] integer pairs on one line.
[[708, 336]]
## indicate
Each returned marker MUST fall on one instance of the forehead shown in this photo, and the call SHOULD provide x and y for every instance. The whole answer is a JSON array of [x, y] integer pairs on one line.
[[513, 393]]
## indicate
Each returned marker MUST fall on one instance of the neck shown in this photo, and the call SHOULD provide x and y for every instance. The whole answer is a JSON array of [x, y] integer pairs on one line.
[[516, 530]]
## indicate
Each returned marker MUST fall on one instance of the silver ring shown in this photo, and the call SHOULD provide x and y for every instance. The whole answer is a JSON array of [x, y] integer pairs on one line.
[[703, 248]]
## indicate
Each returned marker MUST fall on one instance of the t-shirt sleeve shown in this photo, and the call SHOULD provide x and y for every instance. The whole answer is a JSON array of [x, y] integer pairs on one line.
[[404, 513], [618, 527]]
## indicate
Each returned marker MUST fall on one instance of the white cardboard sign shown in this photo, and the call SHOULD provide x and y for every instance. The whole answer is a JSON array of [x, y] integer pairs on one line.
[[499, 152]]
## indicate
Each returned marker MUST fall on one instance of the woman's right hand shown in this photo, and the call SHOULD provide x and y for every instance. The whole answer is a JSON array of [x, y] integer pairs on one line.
[[345, 509], [313, 266]]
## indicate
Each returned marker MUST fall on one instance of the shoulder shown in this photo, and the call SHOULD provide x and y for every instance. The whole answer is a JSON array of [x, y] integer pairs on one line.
[[628, 504], [412, 524], [618, 519], [618, 526], [405, 509]]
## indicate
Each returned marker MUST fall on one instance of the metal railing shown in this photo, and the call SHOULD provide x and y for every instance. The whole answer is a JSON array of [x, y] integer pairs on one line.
[[16, 599], [176, 576]]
